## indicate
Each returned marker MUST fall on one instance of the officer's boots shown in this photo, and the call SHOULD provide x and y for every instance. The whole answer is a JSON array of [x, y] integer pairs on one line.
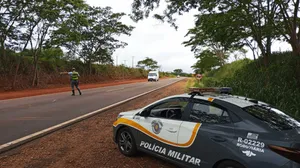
[[73, 93], [79, 92]]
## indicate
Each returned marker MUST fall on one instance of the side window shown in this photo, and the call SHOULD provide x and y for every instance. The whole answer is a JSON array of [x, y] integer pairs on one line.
[[205, 113], [171, 109]]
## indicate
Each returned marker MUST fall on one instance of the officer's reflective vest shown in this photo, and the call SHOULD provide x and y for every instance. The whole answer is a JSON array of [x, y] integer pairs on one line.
[[74, 75]]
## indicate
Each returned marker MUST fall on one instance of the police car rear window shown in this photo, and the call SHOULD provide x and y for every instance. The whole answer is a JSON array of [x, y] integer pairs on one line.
[[274, 118]]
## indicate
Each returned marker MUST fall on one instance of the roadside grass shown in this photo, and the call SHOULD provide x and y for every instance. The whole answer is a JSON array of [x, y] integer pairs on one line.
[[198, 83], [214, 77], [278, 84], [193, 82], [189, 84]]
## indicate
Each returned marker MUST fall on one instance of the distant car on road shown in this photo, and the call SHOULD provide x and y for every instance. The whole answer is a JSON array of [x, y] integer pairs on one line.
[[178, 76], [209, 128], [153, 76]]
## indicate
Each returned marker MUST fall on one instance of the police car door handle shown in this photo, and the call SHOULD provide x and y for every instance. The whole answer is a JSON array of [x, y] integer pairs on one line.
[[218, 139], [171, 130]]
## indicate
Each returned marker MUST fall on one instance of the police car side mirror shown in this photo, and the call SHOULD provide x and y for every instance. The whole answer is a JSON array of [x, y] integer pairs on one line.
[[145, 113]]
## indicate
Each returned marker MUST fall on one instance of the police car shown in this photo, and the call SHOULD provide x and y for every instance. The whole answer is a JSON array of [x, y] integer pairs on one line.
[[210, 128]]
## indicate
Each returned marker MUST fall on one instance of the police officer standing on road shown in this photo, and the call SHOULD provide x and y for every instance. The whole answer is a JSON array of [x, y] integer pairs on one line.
[[74, 80]]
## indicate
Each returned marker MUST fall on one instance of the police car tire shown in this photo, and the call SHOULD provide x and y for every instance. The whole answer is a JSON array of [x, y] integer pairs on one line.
[[133, 151], [230, 164]]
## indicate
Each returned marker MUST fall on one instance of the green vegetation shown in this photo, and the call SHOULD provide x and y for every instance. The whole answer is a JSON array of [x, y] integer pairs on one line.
[[227, 71], [198, 83], [178, 71], [148, 64], [190, 83], [49, 73], [193, 82], [277, 85], [224, 28], [32, 33]]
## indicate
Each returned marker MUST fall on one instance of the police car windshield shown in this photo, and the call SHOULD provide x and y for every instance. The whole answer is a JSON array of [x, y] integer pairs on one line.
[[152, 74], [274, 118]]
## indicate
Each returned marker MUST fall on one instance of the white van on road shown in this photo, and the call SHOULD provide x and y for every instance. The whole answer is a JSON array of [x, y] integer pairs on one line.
[[153, 76]]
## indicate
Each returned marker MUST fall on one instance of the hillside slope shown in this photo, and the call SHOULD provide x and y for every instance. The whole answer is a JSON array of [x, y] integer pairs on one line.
[[277, 84]]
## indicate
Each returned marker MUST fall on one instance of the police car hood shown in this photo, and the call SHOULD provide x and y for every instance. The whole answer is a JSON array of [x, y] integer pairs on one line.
[[130, 113]]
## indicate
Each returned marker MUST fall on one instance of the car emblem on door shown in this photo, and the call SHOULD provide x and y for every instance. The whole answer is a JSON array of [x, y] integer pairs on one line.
[[249, 153], [156, 126]]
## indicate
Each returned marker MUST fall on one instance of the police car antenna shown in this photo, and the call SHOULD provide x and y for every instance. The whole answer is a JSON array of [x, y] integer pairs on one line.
[[193, 94]]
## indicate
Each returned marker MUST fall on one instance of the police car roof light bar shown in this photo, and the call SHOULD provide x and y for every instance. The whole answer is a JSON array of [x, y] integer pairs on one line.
[[219, 90]]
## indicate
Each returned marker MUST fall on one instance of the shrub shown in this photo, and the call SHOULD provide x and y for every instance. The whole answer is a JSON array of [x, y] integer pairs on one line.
[[277, 84]]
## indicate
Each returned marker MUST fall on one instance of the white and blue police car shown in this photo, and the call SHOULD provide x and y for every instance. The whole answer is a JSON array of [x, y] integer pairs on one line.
[[210, 128]]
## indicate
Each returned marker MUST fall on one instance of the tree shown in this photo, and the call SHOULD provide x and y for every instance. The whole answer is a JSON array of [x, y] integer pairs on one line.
[[41, 29], [100, 41], [287, 23], [25, 23], [178, 71], [52, 54], [207, 60], [213, 31], [24, 19], [242, 52], [148, 64], [96, 42], [250, 21], [247, 24], [11, 12], [50, 12]]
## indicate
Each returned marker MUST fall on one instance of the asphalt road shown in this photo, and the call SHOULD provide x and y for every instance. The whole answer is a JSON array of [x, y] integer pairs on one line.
[[24, 116]]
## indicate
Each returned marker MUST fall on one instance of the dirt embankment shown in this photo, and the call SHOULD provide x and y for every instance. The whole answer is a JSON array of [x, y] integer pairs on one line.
[[88, 143]]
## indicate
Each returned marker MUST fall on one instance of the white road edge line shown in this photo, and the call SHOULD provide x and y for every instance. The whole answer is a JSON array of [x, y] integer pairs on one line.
[[31, 137]]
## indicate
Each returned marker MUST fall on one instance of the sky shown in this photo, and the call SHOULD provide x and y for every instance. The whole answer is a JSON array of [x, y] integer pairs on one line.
[[157, 40]]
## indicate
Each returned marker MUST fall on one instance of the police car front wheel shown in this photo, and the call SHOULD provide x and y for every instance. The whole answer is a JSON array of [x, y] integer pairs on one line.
[[230, 164], [126, 142]]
